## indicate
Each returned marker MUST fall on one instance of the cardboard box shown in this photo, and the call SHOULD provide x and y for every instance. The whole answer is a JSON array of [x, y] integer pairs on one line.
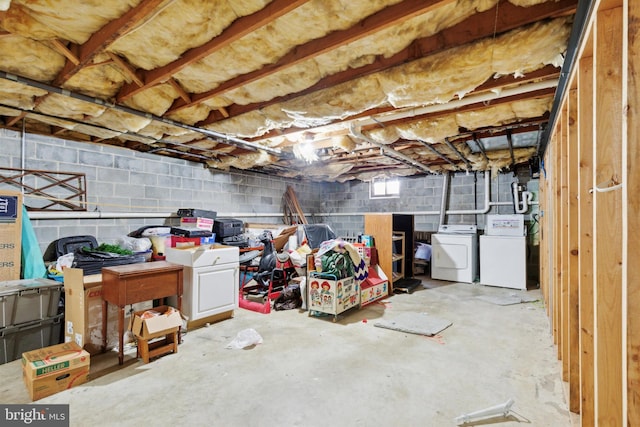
[[167, 322], [83, 312], [49, 370], [197, 222], [10, 234]]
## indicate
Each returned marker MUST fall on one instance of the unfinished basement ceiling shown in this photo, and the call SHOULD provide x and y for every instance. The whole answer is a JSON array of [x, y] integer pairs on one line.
[[327, 90]]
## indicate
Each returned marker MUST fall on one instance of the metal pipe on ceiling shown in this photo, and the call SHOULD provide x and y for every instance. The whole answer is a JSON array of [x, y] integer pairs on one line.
[[390, 152], [510, 142], [455, 150], [480, 146], [443, 200], [412, 112], [439, 154], [219, 137]]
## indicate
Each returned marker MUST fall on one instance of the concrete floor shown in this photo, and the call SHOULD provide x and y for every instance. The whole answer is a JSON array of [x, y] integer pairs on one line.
[[310, 371]]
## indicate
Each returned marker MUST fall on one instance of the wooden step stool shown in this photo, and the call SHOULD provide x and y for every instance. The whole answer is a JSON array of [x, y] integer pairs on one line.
[[168, 344]]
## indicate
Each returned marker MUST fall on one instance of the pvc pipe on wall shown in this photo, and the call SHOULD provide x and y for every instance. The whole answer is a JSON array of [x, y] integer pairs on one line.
[[487, 199], [111, 215]]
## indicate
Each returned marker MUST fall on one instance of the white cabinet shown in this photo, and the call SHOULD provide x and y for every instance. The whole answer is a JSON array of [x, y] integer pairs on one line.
[[211, 277], [210, 290]]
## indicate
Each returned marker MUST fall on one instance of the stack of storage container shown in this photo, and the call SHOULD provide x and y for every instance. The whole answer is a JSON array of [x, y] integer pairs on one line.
[[30, 316]]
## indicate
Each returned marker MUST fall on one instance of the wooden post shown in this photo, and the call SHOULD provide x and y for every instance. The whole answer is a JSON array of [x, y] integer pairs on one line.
[[571, 254], [631, 147], [585, 241], [608, 218]]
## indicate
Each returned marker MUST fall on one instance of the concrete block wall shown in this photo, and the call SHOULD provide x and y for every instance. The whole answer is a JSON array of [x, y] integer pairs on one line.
[[417, 196], [124, 181], [119, 180]]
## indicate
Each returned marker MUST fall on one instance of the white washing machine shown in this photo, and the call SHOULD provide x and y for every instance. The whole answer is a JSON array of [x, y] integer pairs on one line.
[[454, 253], [503, 252]]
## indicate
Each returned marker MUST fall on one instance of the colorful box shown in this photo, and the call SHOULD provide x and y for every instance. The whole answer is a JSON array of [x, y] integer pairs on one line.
[[184, 242], [367, 240], [49, 370], [332, 296], [374, 287], [197, 222]]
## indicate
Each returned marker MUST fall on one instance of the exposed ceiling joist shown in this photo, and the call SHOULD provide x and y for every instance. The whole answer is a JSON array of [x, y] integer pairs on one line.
[[484, 24], [101, 39], [242, 90]]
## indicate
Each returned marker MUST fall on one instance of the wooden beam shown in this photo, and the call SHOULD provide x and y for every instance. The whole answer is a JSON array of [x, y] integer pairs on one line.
[[292, 132], [104, 37], [238, 29], [480, 25], [379, 21], [631, 149], [608, 218], [181, 92], [64, 50], [555, 246], [563, 247], [585, 243], [572, 253], [12, 121], [125, 67]]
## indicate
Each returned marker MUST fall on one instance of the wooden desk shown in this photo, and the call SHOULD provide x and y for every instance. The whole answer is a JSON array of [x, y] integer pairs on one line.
[[132, 283]]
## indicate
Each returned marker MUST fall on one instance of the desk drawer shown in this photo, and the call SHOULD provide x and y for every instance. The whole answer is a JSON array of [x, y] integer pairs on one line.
[[154, 286]]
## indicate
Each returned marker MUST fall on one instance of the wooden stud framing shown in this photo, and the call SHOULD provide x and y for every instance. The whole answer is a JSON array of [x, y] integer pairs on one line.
[[608, 217], [592, 229], [631, 153], [585, 242], [571, 254], [563, 247]]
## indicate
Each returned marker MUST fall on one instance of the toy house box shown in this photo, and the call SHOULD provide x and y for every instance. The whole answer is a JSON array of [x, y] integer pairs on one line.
[[330, 295], [374, 287]]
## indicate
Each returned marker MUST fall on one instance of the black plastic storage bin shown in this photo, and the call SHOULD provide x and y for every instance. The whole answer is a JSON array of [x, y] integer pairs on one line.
[[15, 340], [28, 300], [67, 245]]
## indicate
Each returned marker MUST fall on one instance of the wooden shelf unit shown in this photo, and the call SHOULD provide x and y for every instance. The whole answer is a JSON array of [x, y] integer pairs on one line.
[[386, 229], [397, 257]]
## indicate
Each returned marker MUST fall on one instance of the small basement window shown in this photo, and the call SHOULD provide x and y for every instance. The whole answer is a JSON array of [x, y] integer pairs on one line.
[[384, 188]]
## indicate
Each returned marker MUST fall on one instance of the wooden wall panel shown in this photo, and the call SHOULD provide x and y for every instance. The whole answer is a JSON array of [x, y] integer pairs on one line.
[[608, 218], [585, 241]]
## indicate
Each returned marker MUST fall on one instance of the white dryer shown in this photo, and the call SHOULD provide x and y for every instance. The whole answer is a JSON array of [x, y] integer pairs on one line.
[[454, 253], [503, 252]]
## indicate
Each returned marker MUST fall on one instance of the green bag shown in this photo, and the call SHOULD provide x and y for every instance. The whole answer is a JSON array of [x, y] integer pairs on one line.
[[337, 264]]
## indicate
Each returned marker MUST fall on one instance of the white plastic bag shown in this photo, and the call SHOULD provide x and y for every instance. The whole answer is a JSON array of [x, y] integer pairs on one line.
[[245, 338], [134, 244]]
